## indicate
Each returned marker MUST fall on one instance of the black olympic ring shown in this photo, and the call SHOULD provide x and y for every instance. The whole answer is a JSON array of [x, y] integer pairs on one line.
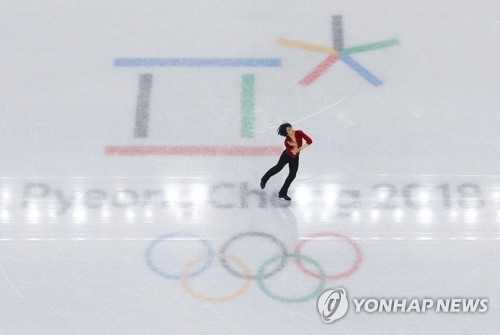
[[278, 268]]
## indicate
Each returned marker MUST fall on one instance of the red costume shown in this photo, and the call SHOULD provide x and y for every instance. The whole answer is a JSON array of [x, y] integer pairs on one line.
[[299, 136]]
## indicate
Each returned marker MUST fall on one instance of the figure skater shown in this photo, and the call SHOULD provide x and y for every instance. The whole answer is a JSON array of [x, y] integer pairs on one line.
[[290, 156]]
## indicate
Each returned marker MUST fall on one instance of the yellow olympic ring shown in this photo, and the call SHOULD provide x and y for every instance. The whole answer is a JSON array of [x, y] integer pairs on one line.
[[238, 293]]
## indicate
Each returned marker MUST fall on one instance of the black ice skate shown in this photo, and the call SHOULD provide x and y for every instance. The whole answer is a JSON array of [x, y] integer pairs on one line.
[[284, 196]]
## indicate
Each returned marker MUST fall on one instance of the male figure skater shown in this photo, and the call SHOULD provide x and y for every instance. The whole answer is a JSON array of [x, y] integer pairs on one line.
[[290, 156]]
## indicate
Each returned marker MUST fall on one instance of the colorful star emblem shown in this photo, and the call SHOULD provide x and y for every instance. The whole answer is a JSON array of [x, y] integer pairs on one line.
[[339, 52]]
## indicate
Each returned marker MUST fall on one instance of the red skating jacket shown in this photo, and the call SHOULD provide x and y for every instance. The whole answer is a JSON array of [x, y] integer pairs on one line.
[[299, 136]]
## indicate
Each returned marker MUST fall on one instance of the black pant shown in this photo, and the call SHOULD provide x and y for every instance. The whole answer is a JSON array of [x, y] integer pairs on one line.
[[293, 165]]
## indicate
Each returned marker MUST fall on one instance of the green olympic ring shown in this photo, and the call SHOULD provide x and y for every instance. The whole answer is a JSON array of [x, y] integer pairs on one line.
[[262, 286]]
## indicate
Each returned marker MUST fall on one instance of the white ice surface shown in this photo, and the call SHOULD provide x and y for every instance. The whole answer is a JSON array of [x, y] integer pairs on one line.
[[76, 224]]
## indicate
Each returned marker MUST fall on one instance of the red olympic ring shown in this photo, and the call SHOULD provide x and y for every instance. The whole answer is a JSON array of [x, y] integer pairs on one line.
[[347, 273]]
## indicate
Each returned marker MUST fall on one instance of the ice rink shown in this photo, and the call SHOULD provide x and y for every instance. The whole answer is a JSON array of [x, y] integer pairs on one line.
[[134, 135]]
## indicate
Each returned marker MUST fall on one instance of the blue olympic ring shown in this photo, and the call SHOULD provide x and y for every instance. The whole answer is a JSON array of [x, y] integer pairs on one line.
[[154, 244]]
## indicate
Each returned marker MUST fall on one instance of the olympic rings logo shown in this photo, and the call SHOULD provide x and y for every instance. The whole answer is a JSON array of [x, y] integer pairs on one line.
[[269, 268]]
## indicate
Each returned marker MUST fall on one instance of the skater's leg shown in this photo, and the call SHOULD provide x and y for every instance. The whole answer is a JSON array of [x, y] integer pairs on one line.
[[294, 167], [275, 169]]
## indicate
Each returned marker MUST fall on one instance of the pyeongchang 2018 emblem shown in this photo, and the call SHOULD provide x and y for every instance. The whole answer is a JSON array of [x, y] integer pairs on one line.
[[334, 53], [333, 305]]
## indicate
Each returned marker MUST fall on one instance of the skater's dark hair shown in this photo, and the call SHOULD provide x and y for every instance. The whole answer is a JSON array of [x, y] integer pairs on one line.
[[282, 129]]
